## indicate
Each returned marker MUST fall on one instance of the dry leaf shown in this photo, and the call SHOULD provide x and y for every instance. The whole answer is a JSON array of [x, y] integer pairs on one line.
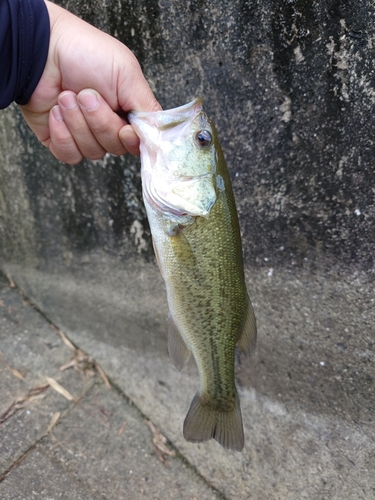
[[15, 372], [53, 422], [85, 363], [69, 364], [11, 282], [159, 441], [81, 362], [103, 375], [59, 388], [65, 339], [121, 429], [60, 443]]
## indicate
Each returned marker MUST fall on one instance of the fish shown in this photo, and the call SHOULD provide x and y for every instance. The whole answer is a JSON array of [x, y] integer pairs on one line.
[[195, 232]]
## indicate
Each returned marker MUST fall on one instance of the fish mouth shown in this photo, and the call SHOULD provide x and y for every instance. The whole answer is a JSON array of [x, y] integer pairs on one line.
[[169, 118]]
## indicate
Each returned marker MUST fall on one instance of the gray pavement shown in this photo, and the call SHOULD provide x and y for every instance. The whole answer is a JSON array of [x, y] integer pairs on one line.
[[96, 445], [307, 395]]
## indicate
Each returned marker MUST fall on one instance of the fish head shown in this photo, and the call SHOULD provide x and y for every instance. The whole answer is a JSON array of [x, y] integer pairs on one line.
[[178, 158]]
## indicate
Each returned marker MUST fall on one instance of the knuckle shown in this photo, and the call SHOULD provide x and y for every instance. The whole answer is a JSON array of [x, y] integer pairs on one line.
[[100, 126]]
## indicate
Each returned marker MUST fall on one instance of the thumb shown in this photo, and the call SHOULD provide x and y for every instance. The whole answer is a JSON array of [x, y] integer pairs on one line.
[[134, 93], [129, 139], [139, 97]]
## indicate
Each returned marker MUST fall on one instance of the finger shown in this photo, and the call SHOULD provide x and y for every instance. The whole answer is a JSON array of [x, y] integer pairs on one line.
[[129, 139], [78, 127], [103, 122], [61, 143]]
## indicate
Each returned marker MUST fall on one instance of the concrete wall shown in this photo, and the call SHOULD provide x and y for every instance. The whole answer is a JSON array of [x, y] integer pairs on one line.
[[290, 86]]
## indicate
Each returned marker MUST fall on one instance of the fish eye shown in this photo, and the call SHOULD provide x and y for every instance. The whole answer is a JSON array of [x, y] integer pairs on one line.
[[203, 138]]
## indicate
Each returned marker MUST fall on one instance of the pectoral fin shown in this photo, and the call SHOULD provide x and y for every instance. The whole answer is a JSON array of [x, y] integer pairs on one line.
[[178, 350], [158, 258], [248, 337]]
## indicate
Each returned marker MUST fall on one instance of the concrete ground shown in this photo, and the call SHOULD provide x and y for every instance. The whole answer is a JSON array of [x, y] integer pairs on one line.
[[66, 432], [307, 395]]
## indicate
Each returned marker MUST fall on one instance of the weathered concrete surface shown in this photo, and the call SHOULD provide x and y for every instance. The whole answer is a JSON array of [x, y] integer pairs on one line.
[[307, 395], [290, 88], [100, 445]]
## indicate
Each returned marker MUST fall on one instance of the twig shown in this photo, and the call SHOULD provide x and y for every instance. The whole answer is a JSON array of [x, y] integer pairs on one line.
[[31, 395]]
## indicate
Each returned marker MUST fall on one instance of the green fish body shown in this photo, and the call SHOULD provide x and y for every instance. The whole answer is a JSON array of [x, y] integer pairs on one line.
[[193, 219]]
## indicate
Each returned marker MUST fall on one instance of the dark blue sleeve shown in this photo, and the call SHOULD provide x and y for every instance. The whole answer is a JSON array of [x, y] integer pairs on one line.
[[24, 42]]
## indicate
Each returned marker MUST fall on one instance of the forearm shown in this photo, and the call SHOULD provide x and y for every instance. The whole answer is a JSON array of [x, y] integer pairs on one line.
[[24, 42]]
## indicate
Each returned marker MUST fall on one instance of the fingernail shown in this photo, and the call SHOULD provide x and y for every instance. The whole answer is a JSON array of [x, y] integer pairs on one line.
[[88, 100], [128, 135], [68, 101], [57, 113]]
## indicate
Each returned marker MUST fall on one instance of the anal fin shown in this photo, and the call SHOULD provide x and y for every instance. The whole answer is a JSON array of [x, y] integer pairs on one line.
[[178, 350], [248, 338]]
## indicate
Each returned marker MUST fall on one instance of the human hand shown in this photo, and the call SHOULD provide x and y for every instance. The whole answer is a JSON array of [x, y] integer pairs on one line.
[[89, 80]]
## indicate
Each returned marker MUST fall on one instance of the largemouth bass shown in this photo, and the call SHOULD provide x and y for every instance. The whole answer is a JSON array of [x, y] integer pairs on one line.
[[193, 219]]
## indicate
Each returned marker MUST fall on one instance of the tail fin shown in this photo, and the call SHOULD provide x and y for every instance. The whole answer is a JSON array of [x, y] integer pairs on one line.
[[203, 423]]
